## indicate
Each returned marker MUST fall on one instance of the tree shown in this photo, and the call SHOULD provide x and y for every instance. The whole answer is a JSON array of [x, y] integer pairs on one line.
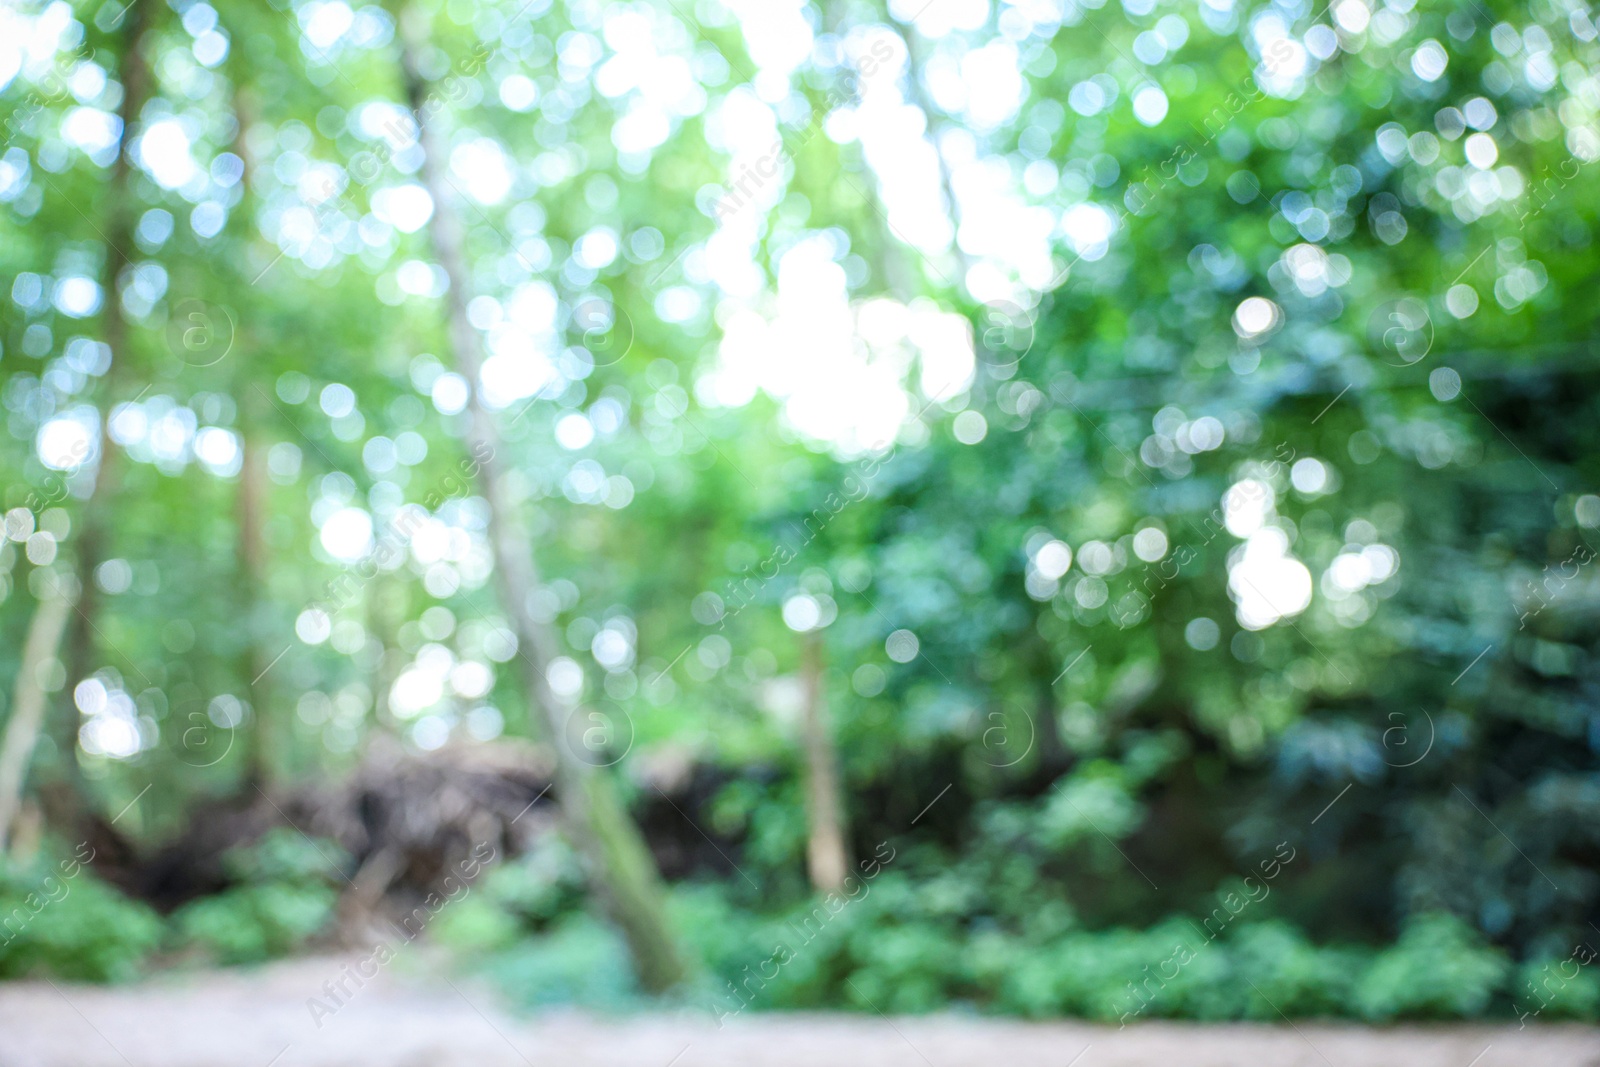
[[827, 849], [619, 864], [29, 702], [45, 634]]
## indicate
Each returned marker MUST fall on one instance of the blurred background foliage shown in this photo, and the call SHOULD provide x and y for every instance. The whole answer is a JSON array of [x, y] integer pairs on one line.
[[1156, 434]]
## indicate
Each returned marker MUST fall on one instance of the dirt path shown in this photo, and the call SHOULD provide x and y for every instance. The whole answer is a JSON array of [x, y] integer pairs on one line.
[[260, 1019]]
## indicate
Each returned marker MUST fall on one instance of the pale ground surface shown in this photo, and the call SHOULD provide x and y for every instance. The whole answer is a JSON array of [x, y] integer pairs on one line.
[[259, 1019]]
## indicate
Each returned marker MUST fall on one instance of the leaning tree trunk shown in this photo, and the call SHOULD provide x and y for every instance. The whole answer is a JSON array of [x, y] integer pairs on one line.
[[618, 865], [27, 706], [827, 853]]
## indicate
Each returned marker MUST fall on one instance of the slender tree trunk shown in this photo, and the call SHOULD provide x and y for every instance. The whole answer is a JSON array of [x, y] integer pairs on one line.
[[264, 733], [94, 521], [28, 703], [120, 211], [1053, 757], [827, 851], [251, 561], [618, 865]]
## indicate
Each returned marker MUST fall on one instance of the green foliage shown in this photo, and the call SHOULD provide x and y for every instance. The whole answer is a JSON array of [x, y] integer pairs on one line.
[[1558, 988], [477, 924], [285, 895], [578, 960], [889, 951], [72, 926], [514, 899], [1440, 968], [1302, 978], [1116, 731]]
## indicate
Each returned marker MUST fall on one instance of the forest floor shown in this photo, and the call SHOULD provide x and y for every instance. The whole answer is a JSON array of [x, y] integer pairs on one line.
[[260, 1018]]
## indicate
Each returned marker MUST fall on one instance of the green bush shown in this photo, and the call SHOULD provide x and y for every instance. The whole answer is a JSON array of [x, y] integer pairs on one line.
[[1300, 978], [904, 968], [910, 946], [252, 923], [1082, 973], [723, 938], [59, 919], [1549, 989], [577, 960], [1440, 968], [477, 923], [283, 896], [514, 899]]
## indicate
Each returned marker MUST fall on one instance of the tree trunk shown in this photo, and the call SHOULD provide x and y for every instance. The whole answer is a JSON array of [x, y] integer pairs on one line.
[[827, 853], [28, 704], [617, 863], [251, 561], [135, 79], [264, 735], [1053, 757], [93, 520]]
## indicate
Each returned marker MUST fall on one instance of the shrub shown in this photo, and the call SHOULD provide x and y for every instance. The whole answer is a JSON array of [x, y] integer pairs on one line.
[[283, 896], [1561, 988], [71, 925], [1440, 968], [579, 959]]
